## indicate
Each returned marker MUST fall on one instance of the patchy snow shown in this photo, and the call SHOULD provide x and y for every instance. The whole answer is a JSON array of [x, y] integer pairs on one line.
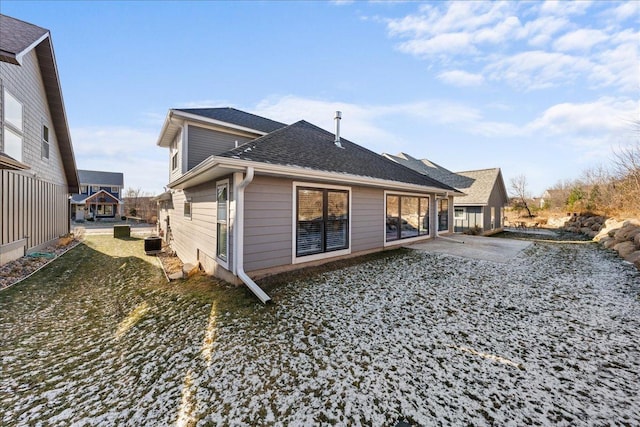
[[550, 338]]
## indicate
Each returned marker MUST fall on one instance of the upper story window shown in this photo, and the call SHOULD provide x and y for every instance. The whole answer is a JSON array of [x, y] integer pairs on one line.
[[115, 190], [174, 161], [44, 152], [12, 126], [83, 189], [95, 188]]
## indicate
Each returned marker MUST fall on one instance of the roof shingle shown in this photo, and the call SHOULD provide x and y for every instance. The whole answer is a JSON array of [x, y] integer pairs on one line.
[[236, 117], [16, 36], [308, 146]]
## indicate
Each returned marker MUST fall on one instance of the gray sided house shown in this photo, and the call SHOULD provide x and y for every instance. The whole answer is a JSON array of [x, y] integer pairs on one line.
[[100, 195], [37, 165], [249, 196], [481, 207]]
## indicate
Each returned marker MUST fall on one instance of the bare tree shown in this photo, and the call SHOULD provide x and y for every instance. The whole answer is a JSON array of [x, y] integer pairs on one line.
[[520, 192]]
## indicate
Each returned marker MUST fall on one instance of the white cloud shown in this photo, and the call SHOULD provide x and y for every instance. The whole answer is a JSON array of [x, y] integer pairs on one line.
[[596, 120], [565, 8], [442, 43], [580, 40], [461, 78], [630, 9], [122, 149], [531, 70]]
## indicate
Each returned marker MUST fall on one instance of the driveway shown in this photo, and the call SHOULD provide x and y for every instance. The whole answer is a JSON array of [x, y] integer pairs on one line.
[[415, 337]]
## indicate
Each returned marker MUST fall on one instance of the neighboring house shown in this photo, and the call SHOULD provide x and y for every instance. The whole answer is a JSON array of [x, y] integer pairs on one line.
[[554, 199], [100, 195], [37, 165], [250, 197], [481, 207]]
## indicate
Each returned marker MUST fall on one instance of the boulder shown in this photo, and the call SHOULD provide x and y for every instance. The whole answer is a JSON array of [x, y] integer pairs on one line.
[[636, 240], [609, 243], [624, 248], [596, 227], [585, 230], [633, 257], [190, 269], [625, 231], [176, 276], [604, 240]]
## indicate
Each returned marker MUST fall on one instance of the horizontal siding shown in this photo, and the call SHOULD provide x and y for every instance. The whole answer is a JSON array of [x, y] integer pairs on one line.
[[268, 222], [31, 209], [367, 219], [206, 142]]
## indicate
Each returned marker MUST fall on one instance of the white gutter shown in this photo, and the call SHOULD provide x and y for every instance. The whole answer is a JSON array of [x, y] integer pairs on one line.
[[238, 247], [309, 174]]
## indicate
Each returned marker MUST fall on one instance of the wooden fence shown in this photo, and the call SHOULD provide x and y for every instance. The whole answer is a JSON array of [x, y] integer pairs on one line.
[[31, 209]]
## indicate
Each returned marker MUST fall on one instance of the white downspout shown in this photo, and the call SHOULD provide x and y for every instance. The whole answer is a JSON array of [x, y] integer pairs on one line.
[[238, 247]]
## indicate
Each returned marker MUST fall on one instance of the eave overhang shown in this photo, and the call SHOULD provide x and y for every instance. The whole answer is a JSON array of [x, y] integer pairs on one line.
[[176, 119], [215, 167]]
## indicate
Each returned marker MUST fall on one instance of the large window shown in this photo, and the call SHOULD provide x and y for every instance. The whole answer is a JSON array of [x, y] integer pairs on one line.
[[322, 223], [407, 216], [222, 245], [12, 126], [443, 215]]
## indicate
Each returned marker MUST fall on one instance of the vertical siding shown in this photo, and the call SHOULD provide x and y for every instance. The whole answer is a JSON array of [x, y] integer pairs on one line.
[[495, 200], [367, 220], [25, 83], [206, 142], [31, 209], [268, 223]]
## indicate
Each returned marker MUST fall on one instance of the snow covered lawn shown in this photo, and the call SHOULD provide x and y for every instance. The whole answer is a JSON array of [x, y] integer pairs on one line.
[[550, 338]]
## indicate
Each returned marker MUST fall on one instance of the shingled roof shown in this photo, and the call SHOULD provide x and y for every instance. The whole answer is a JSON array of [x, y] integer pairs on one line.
[[305, 145], [477, 184], [17, 38], [88, 177], [236, 117]]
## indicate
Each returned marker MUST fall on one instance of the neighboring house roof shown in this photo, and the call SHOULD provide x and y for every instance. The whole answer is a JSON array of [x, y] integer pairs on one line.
[[236, 117], [80, 199], [484, 180], [477, 184], [17, 38], [113, 179], [305, 145]]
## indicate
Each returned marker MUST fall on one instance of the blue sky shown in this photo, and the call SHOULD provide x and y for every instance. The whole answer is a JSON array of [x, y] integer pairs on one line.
[[544, 89]]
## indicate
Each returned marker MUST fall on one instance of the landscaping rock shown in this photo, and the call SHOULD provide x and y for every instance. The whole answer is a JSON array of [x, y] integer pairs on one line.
[[190, 269], [624, 248], [633, 257], [625, 231], [176, 276], [637, 241]]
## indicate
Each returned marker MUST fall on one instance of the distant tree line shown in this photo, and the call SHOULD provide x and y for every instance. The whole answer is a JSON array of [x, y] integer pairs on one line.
[[607, 190], [140, 204]]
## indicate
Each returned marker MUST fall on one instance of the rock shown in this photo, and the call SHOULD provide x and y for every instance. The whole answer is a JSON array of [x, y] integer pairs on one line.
[[585, 230], [636, 240], [633, 257], [625, 231], [176, 276], [632, 235], [596, 227], [604, 240], [190, 269], [624, 248], [592, 234], [610, 242]]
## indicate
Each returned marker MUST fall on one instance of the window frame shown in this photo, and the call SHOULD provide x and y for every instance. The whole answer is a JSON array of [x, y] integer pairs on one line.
[[44, 149], [405, 240], [463, 210], [438, 216], [224, 262], [296, 259], [187, 209], [8, 125]]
